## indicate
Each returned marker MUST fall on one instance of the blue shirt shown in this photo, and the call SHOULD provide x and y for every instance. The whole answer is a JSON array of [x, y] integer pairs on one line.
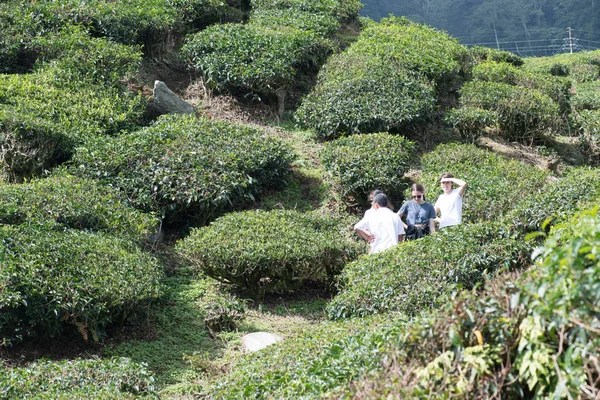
[[417, 213]]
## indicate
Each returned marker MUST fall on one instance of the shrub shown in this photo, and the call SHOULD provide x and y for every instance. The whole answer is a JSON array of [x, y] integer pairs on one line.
[[254, 58], [578, 189], [44, 115], [342, 10], [94, 378], [357, 164], [73, 203], [471, 121], [582, 66], [270, 251], [408, 279], [480, 54], [223, 314], [71, 57], [523, 114], [187, 169], [495, 184], [587, 96], [360, 94], [322, 24], [588, 122], [413, 46], [53, 278]]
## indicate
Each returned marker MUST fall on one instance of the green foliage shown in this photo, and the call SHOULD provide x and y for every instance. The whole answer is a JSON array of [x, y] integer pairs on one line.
[[523, 114], [53, 278], [385, 81], [114, 378], [495, 184], [480, 54], [323, 24], [253, 58], [69, 99], [557, 88], [471, 121], [359, 94], [559, 339], [321, 359], [582, 66], [343, 10], [578, 189], [223, 314], [587, 96], [74, 203], [187, 169], [71, 57], [413, 46], [270, 251], [409, 279], [588, 122], [360, 163]]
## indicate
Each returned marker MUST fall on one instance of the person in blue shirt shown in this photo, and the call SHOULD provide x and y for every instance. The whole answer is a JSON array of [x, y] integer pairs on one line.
[[417, 214]]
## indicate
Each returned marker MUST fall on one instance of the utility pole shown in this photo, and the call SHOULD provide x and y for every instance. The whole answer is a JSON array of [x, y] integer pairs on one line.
[[570, 41]]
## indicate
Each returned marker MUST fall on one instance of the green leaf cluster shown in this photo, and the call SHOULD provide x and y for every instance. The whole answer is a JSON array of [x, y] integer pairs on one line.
[[264, 251], [53, 279], [358, 164], [389, 78], [74, 203], [187, 169], [110, 378]]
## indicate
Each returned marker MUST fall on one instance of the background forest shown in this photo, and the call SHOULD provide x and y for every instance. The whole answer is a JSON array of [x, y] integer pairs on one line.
[[526, 28], [138, 246]]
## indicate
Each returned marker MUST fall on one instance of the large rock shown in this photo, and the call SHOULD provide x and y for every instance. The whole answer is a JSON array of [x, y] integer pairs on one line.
[[167, 102], [259, 340]]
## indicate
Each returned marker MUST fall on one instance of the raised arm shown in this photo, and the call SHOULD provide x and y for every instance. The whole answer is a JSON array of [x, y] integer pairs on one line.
[[462, 185]]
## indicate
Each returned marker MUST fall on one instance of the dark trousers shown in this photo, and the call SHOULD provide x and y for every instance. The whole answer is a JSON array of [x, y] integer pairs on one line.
[[417, 231]]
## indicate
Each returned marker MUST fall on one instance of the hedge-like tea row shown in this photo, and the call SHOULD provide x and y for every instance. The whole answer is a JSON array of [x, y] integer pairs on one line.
[[73, 95], [495, 184], [360, 163], [52, 279], [579, 188], [421, 274], [282, 43], [270, 250], [383, 81], [581, 67], [187, 169], [125, 21], [114, 378], [74, 203]]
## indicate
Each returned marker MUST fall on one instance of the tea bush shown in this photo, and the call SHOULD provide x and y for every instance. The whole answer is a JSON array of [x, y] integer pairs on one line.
[[73, 95], [495, 184], [270, 250], [588, 123], [523, 114], [587, 96], [253, 58], [74, 203], [480, 54], [581, 67], [187, 169], [385, 81], [409, 279], [471, 122], [113, 378], [359, 163], [342, 10], [54, 278], [579, 188], [359, 94]]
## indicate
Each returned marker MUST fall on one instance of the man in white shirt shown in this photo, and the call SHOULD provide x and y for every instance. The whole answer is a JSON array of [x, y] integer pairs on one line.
[[382, 227], [449, 204]]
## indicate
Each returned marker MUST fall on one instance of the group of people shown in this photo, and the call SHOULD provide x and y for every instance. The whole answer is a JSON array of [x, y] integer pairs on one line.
[[383, 228]]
